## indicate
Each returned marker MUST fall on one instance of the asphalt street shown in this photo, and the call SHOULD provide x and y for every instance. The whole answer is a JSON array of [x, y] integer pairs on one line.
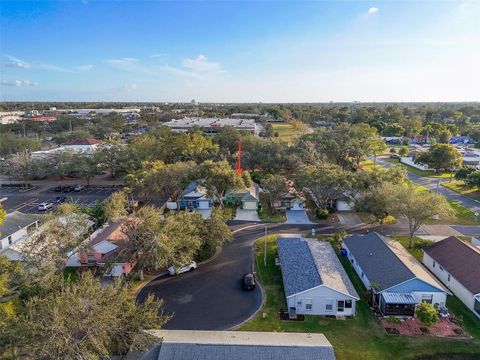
[[13, 199], [211, 297], [435, 185]]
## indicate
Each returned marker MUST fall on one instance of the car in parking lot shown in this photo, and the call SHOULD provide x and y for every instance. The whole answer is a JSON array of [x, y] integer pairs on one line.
[[67, 189], [58, 188], [79, 188], [45, 206], [60, 199], [248, 281], [172, 270]]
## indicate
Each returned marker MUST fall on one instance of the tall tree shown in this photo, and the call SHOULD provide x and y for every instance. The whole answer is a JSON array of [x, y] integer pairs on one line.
[[323, 182], [214, 233], [274, 187], [84, 320], [376, 202], [440, 157], [115, 206], [219, 177], [418, 206]]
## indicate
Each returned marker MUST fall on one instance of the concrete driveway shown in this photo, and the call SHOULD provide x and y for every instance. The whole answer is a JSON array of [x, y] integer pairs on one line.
[[246, 215], [297, 217]]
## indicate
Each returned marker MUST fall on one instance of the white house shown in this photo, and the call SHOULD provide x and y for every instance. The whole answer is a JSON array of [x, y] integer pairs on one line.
[[87, 146], [400, 280], [457, 265], [315, 281], [15, 228]]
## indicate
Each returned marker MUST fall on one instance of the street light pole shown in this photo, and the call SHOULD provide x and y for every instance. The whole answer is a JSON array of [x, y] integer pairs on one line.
[[265, 252]]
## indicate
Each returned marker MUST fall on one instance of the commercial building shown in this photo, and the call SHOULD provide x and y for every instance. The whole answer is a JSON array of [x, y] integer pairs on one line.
[[213, 125]]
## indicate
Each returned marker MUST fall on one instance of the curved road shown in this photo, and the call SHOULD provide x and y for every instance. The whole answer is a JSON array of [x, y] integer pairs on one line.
[[211, 297]]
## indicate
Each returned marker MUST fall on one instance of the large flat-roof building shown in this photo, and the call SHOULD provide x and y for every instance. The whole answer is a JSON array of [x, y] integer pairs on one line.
[[213, 125]]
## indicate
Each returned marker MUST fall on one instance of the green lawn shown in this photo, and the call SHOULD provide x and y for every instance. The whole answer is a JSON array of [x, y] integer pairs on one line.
[[418, 245], [265, 213], [414, 170], [462, 188], [359, 338], [286, 132]]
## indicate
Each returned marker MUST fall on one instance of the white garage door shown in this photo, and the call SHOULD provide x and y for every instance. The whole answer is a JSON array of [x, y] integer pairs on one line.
[[250, 205], [204, 204]]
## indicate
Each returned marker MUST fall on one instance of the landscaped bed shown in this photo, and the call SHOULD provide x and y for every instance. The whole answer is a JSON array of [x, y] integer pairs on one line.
[[361, 337], [445, 327]]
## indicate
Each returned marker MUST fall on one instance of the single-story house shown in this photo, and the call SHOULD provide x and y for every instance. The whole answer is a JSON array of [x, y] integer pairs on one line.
[[86, 146], [399, 282], [16, 227], [238, 345], [104, 247], [194, 197], [247, 198], [457, 264], [290, 201], [314, 280]]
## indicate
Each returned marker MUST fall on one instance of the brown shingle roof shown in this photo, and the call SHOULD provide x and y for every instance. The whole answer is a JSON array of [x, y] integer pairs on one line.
[[460, 259]]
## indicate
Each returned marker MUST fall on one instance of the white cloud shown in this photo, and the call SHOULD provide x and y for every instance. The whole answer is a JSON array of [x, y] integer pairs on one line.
[[19, 83], [158, 56], [84, 67], [198, 67], [373, 10], [13, 62], [129, 87]]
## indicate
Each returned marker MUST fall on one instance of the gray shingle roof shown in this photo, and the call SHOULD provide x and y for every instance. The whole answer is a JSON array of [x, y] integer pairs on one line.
[[15, 221], [308, 263], [377, 260], [242, 345]]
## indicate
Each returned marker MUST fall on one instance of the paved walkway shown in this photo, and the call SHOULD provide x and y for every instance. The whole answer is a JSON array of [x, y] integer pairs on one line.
[[434, 185], [246, 215]]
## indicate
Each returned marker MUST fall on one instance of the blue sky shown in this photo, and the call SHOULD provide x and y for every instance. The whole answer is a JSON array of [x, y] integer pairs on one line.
[[226, 51]]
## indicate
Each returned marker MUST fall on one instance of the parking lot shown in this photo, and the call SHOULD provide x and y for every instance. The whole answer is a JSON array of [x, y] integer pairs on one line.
[[12, 199]]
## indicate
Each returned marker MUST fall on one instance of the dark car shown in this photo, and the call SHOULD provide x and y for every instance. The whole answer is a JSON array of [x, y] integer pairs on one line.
[[60, 199], [68, 189], [248, 282], [58, 188]]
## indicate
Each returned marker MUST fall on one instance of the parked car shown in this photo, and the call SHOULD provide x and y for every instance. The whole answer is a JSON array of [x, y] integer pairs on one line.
[[68, 189], [79, 188], [45, 206], [60, 199], [395, 156], [248, 281], [181, 269], [58, 188]]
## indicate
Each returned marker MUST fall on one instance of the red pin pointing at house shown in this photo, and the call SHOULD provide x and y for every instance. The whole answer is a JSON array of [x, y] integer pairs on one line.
[[239, 166]]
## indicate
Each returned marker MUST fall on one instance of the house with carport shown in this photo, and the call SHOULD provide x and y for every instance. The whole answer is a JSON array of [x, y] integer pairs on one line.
[[398, 281], [314, 280], [457, 264]]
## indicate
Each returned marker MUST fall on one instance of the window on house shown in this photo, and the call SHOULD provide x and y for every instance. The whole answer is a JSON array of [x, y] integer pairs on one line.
[[434, 263], [299, 302], [362, 274], [348, 304], [428, 298], [329, 305], [340, 305], [10, 240], [441, 268], [448, 277], [308, 304]]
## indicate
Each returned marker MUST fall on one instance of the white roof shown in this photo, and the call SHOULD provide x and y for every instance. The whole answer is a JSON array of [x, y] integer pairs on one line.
[[104, 247]]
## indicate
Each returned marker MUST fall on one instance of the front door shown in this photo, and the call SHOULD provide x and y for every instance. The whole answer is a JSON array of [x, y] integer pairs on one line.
[[340, 306]]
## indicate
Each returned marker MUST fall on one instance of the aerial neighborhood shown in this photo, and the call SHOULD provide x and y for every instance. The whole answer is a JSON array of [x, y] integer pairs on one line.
[[341, 231], [239, 180]]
